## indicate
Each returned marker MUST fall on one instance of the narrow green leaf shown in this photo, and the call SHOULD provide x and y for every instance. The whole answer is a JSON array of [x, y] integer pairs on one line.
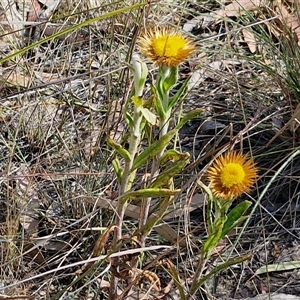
[[173, 169], [162, 74], [159, 212], [189, 116], [173, 100], [171, 79], [120, 150], [161, 92], [153, 149], [117, 168], [129, 119], [213, 240], [173, 155], [148, 115], [235, 224], [217, 269], [235, 217], [280, 266], [158, 104]]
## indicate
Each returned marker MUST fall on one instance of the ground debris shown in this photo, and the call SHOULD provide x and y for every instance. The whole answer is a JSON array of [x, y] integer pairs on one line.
[[273, 296]]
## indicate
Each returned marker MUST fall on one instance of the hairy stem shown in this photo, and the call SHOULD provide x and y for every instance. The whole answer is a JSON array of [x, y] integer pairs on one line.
[[128, 177]]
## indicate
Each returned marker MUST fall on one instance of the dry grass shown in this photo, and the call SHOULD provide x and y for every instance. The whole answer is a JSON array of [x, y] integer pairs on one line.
[[60, 100]]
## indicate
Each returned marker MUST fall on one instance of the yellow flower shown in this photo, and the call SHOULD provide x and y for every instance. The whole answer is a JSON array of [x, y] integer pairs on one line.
[[166, 47], [231, 174]]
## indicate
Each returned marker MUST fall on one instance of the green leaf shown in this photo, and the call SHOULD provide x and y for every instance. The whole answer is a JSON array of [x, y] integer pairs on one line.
[[129, 119], [117, 168], [159, 90], [120, 150], [158, 104], [174, 169], [162, 74], [153, 149], [171, 79], [280, 266], [189, 116], [217, 269], [235, 217], [173, 100], [173, 155], [162, 91], [156, 216], [148, 115], [213, 239], [149, 192]]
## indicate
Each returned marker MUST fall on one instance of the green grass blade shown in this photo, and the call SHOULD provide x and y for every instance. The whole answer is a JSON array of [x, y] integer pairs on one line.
[[70, 29]]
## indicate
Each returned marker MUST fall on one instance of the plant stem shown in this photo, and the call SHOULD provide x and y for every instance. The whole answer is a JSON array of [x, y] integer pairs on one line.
[[163, 130], [146, 203], [197, 276], [125, 185]]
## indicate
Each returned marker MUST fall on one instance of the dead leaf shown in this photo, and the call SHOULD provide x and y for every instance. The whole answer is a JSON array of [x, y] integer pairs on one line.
[[70, 37], [49, 77], [99, 245], [284, 18], [197, 201], [281, 266], [169, 233], [249, 38], [272, 296], [133, 211], [191, 24], [10, 17], [238, 8], [16, 77], [34, 12], [28, 203], [163, 228], [290, 20], [49, 3], [90, 141], [200, 75]]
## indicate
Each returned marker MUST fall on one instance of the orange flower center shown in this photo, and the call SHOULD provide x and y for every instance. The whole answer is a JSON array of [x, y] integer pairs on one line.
[[232, 174]]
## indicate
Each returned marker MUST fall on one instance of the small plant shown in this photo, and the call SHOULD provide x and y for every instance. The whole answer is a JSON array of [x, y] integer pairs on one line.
[[230, 175], [148, 147], [167, 49]]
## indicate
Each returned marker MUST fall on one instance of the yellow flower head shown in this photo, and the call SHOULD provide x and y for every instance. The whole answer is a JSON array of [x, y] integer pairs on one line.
[[166, 47], [231, 174]]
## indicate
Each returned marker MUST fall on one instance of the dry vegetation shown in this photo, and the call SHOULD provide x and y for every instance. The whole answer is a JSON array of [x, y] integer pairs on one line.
[[60, 99]]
